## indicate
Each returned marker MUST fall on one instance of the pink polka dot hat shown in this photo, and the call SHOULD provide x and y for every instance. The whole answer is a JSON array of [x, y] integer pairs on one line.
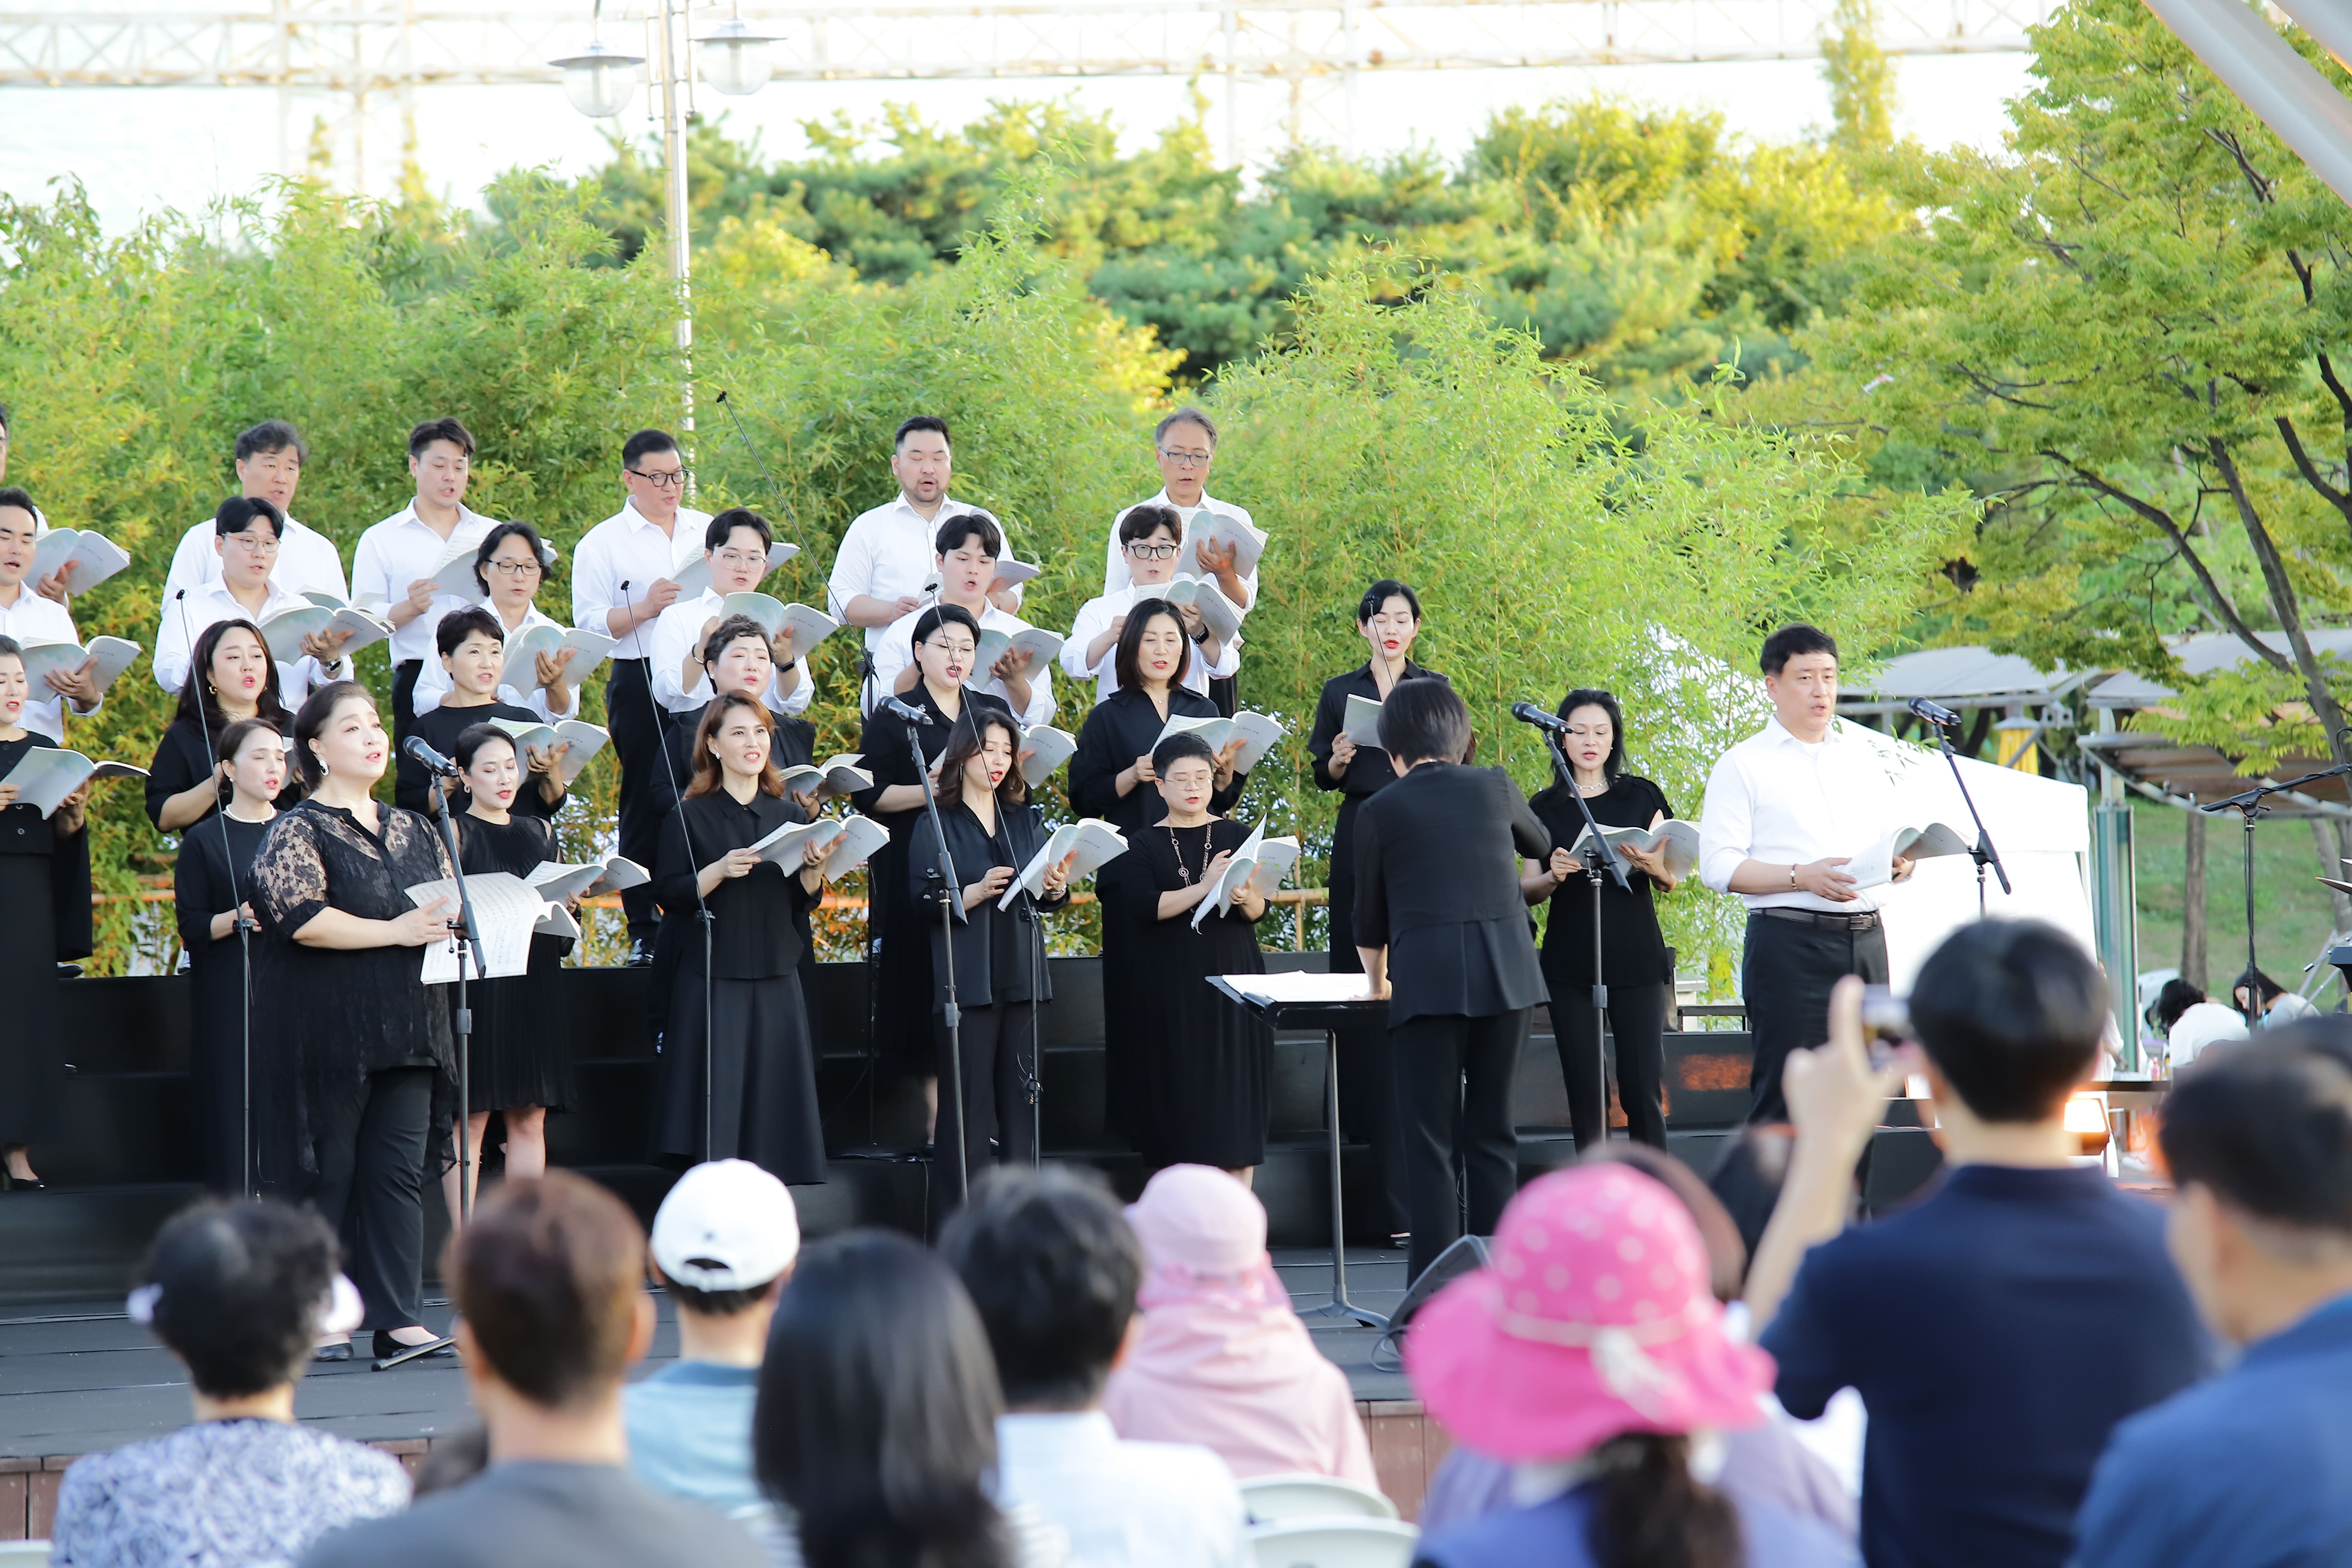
[[1592, 1319]]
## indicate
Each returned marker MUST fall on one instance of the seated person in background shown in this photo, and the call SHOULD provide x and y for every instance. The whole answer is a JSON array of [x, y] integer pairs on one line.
[[549, 1285], [1053, 1270], [2279, 1005], [1999, 1327], [1586, 1354], [2190, 1023], [1220, 1358], [723, 1244], [236, 1292]]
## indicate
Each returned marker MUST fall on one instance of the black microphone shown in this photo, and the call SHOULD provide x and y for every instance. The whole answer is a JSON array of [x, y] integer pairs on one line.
[[906, 711], [1528, 714], [425, 757], [1933, 712]]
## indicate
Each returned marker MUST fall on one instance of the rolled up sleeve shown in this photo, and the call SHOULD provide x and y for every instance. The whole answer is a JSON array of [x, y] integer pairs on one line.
[[1725, 825]]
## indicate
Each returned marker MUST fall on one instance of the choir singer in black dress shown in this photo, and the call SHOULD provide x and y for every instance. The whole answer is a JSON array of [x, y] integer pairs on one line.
[[1633, 961], [45, 897], [211, 891], [1201, 1065], [753, 1073], [992, 834], [1388, 618], [473, 650], [230, 677], [352, 1022], [1442, 929]]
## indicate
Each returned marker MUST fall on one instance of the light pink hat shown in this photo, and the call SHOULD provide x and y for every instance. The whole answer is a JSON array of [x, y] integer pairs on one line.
[[1592, 1319]]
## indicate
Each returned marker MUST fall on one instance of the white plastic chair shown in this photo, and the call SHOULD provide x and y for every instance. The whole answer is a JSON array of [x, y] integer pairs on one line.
[[1335, 1543], [24, 1554], [1281, 1500]]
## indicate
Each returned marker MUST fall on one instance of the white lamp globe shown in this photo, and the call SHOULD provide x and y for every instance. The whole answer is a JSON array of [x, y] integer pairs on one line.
[[735, 60], [600, 80]]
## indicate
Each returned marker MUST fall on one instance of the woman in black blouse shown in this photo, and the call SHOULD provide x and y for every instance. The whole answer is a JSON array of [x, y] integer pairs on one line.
[[753, 1073], [44, 877], [230, 677], [946, 636], [473, 650], [1110, 773], [212, 894], [364, 1039], [1388, 618], [1442, 929], [992, 833], [1633, 962]]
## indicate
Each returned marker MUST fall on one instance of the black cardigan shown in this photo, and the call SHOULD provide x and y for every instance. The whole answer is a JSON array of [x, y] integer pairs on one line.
[[1120, 728], [754, 929], [995, 947]]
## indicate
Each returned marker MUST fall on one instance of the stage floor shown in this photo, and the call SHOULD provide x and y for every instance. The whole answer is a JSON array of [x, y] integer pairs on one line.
[[77, 1380]]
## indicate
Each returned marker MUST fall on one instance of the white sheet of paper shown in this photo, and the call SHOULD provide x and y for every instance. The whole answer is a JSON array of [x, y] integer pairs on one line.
[[521, 669], [1095, 842], [506, 907], [1047, 750], [1299, 986]]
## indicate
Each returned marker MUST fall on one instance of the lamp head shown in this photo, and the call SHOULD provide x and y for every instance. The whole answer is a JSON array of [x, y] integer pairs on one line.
[[735, 58], [600, 80]]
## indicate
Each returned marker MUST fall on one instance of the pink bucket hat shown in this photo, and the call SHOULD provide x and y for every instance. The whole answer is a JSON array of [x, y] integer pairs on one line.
[[1592, 1319]]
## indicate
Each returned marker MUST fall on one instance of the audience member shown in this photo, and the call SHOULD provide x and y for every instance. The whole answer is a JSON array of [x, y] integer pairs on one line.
[[876, 1430], [723, 1244], [2189, 1022], [548, 1284], [236, 1292], [1999, 1328], [1219, 1357], [454, 1460], [2277, 1005], [1053, 1270], [2254, 1467], [1586, 1354]]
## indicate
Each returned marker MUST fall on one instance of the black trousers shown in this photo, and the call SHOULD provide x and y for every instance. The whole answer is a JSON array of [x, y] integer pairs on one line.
[[1225, 691], [410, 785], [1457, 1072], [1368, 1092], [645, 799], [1785, 977], [997, 1064], [1637, 1019], [372, 1188]]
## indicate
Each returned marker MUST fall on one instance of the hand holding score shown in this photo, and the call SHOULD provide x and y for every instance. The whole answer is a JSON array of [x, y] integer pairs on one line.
[[1057, 875], [739, 862], [1824, 879], [547, 669], [1343, 752], [420, 927], [990, 886]]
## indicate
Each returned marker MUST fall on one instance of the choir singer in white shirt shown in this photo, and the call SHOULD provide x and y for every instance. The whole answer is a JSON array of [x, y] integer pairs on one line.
[[269, 458], [969, 545], [245, 532], [1150, 537], [393, 564], [28, 617], [735, 543], [1793, 813], [1185, 444]]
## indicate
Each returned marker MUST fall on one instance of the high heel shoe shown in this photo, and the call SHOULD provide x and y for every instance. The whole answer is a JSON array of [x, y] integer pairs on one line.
[[340, 1351], [11, 1181], [387, 1347]]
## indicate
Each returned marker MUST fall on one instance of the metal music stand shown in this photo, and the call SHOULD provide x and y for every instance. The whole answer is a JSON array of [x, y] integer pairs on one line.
[[1331, 1017]]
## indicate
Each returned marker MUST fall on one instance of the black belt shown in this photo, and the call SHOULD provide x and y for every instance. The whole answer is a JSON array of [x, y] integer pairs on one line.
[[1867, 921]]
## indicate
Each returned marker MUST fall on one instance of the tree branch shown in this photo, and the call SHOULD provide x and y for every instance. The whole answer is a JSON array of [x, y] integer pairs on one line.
[[2283, 600], [2337, 498]]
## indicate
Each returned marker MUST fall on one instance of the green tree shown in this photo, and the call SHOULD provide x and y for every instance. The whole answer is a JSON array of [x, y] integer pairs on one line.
[[1860, 79]]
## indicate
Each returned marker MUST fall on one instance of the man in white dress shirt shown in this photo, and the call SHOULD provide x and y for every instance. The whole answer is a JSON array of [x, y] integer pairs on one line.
[[965, 554], [1149, 536], [621, 583], [1788, 810], [735, 543], [270, 459], [27, 618], [1185, 444], [246, 533], [397, 558]]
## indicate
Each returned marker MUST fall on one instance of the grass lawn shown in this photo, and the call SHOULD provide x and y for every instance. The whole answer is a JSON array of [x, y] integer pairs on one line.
[[2293, 913]]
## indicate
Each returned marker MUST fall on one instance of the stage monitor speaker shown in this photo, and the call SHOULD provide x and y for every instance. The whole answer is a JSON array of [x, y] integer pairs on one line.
[[1465, 1256]]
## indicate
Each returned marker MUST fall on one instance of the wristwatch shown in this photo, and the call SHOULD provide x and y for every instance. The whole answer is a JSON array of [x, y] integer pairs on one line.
[[1792, 879], [1200, 635]]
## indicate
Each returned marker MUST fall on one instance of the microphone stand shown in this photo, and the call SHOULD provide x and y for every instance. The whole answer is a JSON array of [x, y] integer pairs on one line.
[[237, 907], [1604, 854], [1033, 1082], [943, 880], [701, 906], [1984, 854], [2249, 806]]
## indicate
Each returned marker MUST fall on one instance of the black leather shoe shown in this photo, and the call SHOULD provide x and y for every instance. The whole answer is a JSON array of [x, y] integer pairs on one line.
[[387, 1347], [641, 955], [331, 1353]]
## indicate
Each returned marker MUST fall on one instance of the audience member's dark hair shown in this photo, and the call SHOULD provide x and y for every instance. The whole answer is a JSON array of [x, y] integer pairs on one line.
[[2011, 1011], [2266, 1126], [454, 1460], [271, 435], [474, 737], [1727, 1251], [318, 710], [1376, 599], [19, 496], [711, 1304], [200, 704], [1140, 522], [1128, 662], [1653, 1514], [1794, 642], [458, 625], [966, 525], [1423, 720], [232, 740], [1188, 415], [2263, 990], [2176, 997], [716, 532], [1053, 1267], [964, 743], [241, 1290], [1178, 747], [239, 513], [432, 430], [733, 629], [547, 1276], [644, 444], [1593, 697], [499, 536], [877, 1416], [919, 422], [1748, 1174]]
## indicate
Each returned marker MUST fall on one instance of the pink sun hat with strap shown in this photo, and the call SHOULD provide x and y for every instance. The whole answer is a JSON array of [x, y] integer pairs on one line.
[[1592, 1319]]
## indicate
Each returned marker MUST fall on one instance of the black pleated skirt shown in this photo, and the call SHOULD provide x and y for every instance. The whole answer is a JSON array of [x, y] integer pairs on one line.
[[522, 1036]]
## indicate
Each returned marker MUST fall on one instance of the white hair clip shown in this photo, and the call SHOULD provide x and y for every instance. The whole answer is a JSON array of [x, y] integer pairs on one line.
[[341, 1311], [140, 1305]]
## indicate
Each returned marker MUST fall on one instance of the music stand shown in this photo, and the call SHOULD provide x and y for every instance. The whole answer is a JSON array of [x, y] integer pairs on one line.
[[1330, 1017]]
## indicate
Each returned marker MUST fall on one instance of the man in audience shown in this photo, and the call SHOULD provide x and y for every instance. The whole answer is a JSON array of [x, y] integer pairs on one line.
[[548, 1284], [268, 459], [2254, 1467], [1053, 1267], [723, 1244], [1999, 1328]]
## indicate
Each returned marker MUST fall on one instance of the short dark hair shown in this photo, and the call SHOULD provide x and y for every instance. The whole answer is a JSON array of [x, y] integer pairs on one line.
[[1425, 720], [499, 536], [10, 647], [644, 445], [2176, 997], [715, 531], [713, 1303], [458, 625], [239, 1291], [1593, 697], [271, 435], [1053, 1267], [444, 429], [312, 721], [1178, 747], [734, 628], [1188, 415], [2011, 1014], [237, 515], [962, 526], [474, 737], [17, 497], [919, 422], [1794, 641], [1377, 596], [1128, 662], [1140, 522], [2267, 1126], [547, 1276], [2261, 989]]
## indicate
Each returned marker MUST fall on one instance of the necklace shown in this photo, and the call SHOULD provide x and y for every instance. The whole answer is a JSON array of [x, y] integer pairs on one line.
[[1184, 874]]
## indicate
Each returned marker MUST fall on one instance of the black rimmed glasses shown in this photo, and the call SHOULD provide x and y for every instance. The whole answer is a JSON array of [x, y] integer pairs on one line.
[[670, 481]]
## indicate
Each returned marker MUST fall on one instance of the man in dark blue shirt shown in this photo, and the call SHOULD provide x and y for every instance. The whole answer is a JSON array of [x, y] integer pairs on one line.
[[1998, 1329], [2255, 1468]]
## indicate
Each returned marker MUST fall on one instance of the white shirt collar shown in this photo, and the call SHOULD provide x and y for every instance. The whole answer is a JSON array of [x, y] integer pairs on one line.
[[630, 515], [1045, 1436], [1779, 734]]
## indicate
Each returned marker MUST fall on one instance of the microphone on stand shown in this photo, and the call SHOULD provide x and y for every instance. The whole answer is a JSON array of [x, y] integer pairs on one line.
[[425, 757], [1933, 712], [1528, 714], [906, 710]]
